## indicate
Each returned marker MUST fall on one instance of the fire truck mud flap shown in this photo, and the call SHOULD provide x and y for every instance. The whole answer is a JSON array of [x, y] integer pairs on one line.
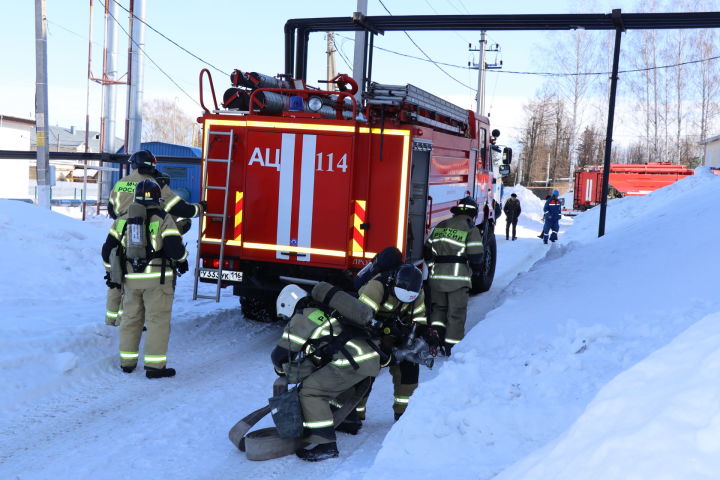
[[266, 443], [482, 282]]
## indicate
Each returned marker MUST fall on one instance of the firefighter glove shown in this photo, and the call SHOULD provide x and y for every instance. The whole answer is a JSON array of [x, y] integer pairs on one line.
[[203, 204], [182, 267], [432, 337], [109, 282]]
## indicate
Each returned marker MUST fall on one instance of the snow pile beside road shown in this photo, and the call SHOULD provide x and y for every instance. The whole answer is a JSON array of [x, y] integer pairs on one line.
[[48, 255], [659, 419], [589, 310]]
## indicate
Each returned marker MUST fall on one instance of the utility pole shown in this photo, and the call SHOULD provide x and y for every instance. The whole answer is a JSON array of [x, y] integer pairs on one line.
[[331, 69], [359, 53], [482, 66], [109, 77], [42, 167], [135, 76]]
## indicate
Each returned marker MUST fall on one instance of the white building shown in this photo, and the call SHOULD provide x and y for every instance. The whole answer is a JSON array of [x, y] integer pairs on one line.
[[712, 151], [15, 134]]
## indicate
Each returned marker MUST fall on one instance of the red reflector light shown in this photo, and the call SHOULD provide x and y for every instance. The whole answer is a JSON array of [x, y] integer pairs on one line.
[[216, 263], [228, 264]]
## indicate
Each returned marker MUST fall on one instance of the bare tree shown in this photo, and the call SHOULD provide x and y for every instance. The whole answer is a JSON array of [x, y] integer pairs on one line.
[[165, 121]]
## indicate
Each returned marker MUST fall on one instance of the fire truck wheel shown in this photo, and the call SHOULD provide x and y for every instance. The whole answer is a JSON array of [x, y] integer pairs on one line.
[[258, 309], [482, 283]]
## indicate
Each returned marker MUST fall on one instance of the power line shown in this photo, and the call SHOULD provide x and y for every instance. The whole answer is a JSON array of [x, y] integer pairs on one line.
[[428, 56], [340, 52], [149, 58], [169, 39]]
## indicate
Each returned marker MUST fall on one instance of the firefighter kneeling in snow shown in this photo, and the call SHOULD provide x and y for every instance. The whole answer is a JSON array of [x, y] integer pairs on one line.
[[397, 299], [453, 252], [150, 248], [328, 346]]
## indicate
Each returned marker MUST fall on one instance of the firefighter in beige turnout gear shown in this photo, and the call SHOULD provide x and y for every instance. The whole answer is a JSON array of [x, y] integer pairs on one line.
[[149, 281], [453, 252], [398, 302], [329, 356], [122, 195]]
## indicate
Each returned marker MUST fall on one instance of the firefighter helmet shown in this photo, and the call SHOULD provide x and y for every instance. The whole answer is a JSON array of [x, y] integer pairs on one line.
[[466, 206], [147, 192], [162, 179], [143, 159], [288, 299], [408, 283]]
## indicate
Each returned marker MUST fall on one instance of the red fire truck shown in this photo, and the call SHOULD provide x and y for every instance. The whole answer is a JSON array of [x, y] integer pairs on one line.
[[305, 184], [625, 180]]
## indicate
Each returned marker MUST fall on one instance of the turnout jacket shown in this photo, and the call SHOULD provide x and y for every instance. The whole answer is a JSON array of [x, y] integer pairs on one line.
[[452, 248], [512, 209], [123, 194], [553, 209], [308, 339], [387, 306], [164, 244]]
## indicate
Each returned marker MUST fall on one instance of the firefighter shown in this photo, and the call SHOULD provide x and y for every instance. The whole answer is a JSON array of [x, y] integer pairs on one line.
[[553, 211], [326, 347], [143, 164], [183, 224], [152, 251], [398, 301], [512, 213], [453, 252]]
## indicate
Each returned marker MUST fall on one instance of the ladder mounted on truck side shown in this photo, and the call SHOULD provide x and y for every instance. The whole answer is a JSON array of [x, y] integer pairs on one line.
[[419, 106], [223, 216]]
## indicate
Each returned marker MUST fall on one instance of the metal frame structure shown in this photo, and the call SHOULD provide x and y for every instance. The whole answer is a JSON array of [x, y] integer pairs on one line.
[[297, 34]]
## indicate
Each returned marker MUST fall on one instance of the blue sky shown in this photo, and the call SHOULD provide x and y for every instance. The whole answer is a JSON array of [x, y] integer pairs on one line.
[[249, 36]]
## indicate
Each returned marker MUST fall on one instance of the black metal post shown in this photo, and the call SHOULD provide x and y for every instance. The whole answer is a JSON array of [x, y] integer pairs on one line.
[[369, 62], [289, 49], [300, 46], [617, 20]]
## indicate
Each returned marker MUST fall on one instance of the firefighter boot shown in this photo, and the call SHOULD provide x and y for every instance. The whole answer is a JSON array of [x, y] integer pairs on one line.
[[322, 451], [351, 424], [159, 372], [127, 369], [397, 416]]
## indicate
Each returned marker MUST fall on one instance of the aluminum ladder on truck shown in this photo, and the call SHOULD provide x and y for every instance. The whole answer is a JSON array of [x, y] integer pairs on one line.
[[226, 188], [410, 95]]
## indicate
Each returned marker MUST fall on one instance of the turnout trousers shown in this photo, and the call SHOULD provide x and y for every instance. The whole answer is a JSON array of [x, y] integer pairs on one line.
[[449, 310], [405, 377], [154, 305], [113, 306], [317, 392]]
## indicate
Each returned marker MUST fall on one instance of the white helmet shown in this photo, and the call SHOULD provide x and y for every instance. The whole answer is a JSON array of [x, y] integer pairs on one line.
[[288, 299]]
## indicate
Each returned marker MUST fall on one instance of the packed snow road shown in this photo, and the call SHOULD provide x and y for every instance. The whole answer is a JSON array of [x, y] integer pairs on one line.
[[69, 412]]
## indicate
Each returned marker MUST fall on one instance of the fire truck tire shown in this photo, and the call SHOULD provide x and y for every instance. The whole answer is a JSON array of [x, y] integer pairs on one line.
[[482, 283], [258, 309]]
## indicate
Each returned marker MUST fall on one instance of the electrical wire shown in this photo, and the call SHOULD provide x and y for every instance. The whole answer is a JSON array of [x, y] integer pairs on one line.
[[340, 52], [151, 60], [428, 56], [169, 39]]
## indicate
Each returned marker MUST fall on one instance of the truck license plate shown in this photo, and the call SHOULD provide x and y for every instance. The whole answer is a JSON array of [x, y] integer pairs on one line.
[[228, 275]]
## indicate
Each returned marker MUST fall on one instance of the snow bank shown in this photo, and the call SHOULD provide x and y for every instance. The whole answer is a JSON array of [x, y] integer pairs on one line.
[[589, 310], [660, 419]]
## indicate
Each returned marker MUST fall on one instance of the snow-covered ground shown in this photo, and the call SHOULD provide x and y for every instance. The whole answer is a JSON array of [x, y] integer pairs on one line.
[[589, 358]]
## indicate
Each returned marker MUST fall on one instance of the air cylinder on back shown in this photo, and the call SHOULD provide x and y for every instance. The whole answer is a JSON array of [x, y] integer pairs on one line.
[[348, 306]]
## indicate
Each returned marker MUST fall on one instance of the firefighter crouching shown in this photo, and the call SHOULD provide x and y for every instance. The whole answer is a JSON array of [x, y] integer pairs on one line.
[[398, 301], [453, 252], [149, 248], [122, 195], [328, 347]]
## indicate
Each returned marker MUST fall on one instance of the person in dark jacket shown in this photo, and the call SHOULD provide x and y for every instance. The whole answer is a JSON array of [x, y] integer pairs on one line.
[[553, 212], [512, 213]]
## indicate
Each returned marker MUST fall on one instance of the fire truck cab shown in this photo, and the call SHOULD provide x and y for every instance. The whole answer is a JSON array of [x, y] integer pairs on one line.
[[304, 185]]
